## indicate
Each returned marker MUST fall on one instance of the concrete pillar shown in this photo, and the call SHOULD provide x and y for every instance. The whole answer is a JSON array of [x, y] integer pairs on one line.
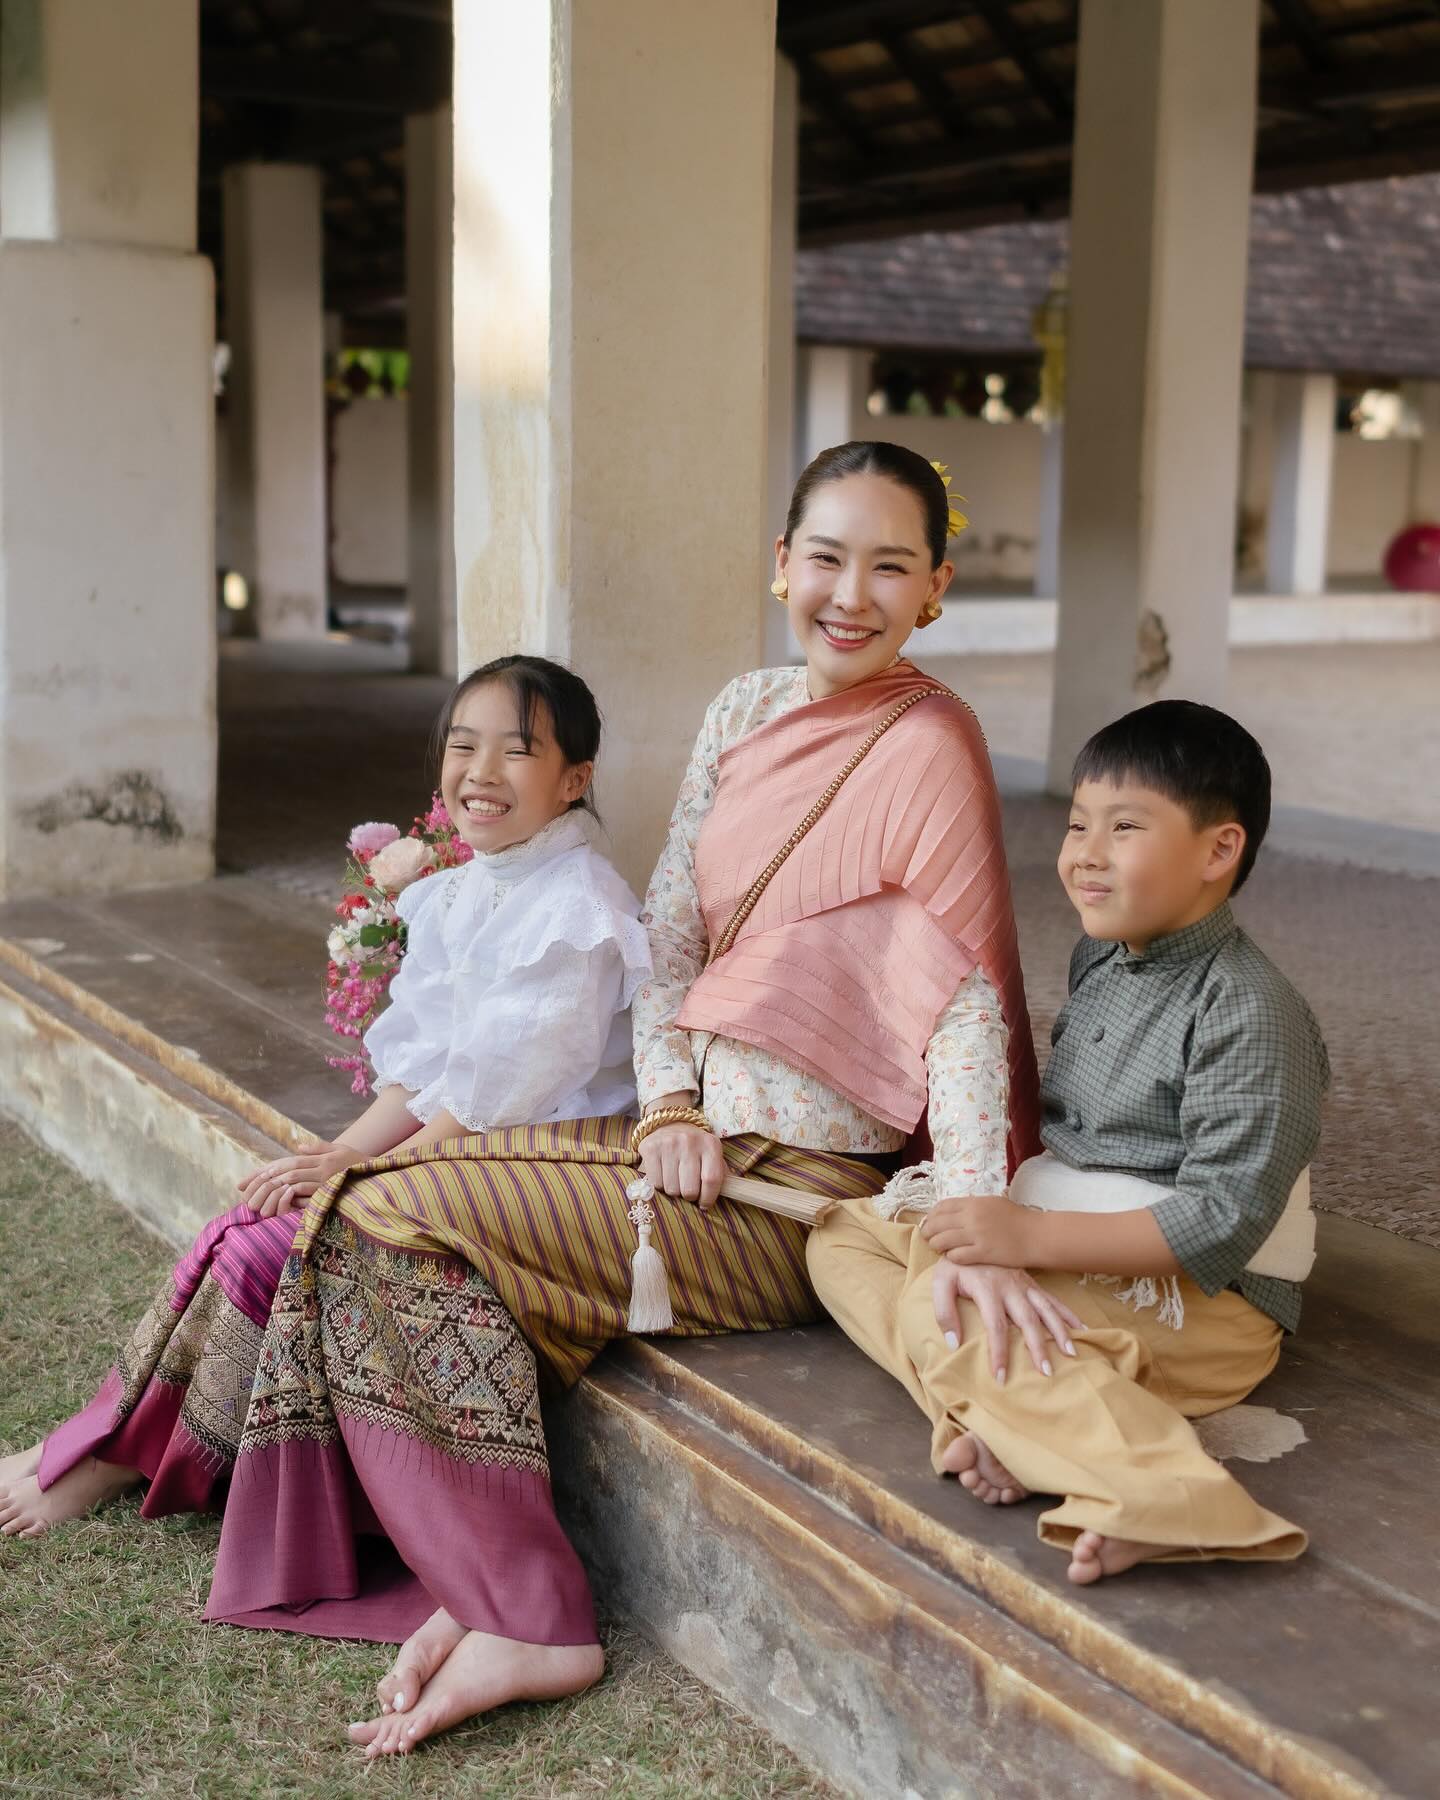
[[429, 249], [612, 245], [1047, 532], [1299, 523], [1165, 130], [1257, 467], [107, 581], [1424, 397], [275, 323], [780, 458], [833, 389]]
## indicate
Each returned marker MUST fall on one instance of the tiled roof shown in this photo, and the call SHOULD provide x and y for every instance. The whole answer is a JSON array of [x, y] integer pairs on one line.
[[1342, 278]]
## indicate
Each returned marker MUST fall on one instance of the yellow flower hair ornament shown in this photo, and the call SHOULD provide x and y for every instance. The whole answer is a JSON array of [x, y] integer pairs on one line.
[[955, 523]]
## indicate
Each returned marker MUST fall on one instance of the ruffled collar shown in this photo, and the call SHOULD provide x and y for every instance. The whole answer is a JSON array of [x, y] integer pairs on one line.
[[516, 861]]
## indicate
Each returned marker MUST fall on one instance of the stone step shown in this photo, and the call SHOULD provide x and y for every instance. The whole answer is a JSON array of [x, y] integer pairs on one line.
[[763, 1504]]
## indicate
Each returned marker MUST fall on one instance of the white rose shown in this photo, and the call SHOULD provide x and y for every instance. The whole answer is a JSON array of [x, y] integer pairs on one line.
[[338, 946], [400, 863]]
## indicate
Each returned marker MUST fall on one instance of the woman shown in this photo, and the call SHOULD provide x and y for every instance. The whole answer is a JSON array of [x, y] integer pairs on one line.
[[797, 1033]]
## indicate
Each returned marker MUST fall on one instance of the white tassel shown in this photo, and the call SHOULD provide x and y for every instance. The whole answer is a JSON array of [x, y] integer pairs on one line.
[[649, 1286], [909, 1190]]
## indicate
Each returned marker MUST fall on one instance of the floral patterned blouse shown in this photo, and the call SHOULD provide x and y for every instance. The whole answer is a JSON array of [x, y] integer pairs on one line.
[[750, 1090]]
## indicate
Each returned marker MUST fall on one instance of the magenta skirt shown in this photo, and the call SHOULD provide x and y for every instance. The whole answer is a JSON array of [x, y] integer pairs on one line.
[[174, 1404]]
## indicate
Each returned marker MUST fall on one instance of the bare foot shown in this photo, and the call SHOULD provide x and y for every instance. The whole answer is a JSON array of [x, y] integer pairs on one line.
[[420, 1656], [981, 1472], [22, 1463], [27, 1512], [1092, 1556], [480, 1673]]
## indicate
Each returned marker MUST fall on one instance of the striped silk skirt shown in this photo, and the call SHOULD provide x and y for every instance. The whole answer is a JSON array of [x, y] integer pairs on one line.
[[393, 1459]]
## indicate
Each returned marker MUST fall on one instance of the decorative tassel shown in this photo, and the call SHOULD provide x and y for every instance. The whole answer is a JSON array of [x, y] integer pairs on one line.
[[649, 1285], [910, 1190]]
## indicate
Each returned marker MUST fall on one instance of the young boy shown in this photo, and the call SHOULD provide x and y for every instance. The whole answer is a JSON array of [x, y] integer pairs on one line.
[[1183, 1060]]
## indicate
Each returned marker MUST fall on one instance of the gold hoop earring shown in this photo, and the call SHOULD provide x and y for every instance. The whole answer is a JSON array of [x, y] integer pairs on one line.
[[780, 588]]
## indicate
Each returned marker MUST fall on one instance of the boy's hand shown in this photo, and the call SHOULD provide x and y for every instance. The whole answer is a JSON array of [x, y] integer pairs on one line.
[[280, 1186], [1004, 1297], [982, 1228]]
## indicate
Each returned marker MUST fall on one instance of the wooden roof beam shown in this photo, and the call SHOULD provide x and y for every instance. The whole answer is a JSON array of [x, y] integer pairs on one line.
[[1015, 39], [970, 150], [1358, 83], [323, 81]]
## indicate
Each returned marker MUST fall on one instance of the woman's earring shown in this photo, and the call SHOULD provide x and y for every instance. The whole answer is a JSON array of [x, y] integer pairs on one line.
[[929, 613], [780, 588]]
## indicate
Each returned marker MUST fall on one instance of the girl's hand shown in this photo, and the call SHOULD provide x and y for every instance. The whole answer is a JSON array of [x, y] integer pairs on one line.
[[684, 1162], [280, 1186], [1004, 1297], [981, 1229]]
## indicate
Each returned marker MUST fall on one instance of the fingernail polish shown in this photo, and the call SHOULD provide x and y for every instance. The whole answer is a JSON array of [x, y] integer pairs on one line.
[[1046, 1367], [1000, 1376], [952, 1340], [1069, 1348]]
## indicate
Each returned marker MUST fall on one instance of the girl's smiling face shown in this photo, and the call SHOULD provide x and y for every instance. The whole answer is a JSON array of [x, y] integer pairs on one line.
[[859, 574], [498, 788]]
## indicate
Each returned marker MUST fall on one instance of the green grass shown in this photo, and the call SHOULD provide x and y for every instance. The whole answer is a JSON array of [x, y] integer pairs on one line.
[[114, 1687]]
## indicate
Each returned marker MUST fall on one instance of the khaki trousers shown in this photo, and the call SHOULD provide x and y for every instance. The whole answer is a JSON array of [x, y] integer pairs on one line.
[[1107, 1431]]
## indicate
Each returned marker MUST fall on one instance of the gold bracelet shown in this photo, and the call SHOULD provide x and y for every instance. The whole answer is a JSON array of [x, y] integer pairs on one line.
[[667, 1115]]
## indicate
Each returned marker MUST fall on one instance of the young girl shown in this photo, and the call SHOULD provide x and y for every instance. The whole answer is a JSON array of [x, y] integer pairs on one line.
[[510, 1008]]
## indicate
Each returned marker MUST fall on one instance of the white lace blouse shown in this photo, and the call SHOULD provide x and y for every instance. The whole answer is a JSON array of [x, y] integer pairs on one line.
[[511, 1004], [750, 1090]]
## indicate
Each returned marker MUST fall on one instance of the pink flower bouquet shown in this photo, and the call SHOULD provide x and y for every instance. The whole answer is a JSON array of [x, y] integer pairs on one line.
[[365, 948]]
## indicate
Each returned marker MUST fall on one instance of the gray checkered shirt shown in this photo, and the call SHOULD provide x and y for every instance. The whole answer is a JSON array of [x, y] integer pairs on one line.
[[1198, 1066]]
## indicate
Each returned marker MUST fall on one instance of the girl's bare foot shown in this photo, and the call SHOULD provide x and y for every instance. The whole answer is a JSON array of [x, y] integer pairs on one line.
[[480, 1673], [420, 1656], [981, 1472], [1093, 1556], [17, 1467], [27, 1512]]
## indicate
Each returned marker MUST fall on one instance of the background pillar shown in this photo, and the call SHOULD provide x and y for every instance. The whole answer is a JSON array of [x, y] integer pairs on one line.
[[612, 318], [429, 249], [107, 580], [1424, 396], [1047, 532], [275, 325], [833, 389], [781, 465], [1164, 141], [1299, 524]]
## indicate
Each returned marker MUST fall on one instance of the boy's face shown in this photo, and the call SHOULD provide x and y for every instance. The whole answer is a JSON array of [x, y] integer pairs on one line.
[[1137, 868]]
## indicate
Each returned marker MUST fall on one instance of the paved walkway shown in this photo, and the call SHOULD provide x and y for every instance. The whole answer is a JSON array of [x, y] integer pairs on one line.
[[316, 738]]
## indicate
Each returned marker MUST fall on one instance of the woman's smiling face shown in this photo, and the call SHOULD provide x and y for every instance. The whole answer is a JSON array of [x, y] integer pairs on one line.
[[859, 575]]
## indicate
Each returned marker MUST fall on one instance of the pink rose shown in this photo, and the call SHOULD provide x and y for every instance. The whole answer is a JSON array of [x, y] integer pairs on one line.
[[366, 839], [400, 863]]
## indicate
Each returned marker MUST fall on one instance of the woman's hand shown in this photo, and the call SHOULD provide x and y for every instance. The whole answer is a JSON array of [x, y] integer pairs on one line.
[[1004, 1297], [280, 1186], [684, 1162]]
